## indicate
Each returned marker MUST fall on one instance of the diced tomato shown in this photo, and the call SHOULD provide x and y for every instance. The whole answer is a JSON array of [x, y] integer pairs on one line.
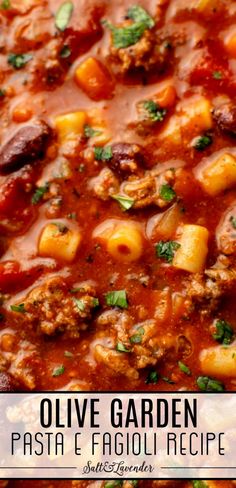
[[211, 73], [12, 278]]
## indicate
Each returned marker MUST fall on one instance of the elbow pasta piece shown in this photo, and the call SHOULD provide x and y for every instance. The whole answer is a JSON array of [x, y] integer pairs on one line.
[[124, 240], [218, 175], [59, 243], [70, 125], [219, 361], [191, 255], [94, 79]]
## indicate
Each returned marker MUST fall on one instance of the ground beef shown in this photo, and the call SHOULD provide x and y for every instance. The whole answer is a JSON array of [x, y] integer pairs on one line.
[[52, 308], [207, 289], [147, 53]]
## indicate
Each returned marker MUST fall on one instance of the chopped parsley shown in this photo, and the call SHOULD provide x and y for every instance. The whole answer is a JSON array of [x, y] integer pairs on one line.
[[205, 383], [224, 332], [199, 484], [39, 193], [96, 302], [19, 61], [68, 354], [202, 142], [152, 377], [65, 52], [167, 193], [217, 75], [233, 221], [63, 15], [123, 37], [166, 250], [125, 202], [103, 153], [61, 228], [113, 484], [5, 5], [121, 348], [18, 308], [90, 132], [59, 370], [154, 111], [167, 380], [137, 338], [185, 369], [139, 14], [79, 304], [117, 299], [2, 93]]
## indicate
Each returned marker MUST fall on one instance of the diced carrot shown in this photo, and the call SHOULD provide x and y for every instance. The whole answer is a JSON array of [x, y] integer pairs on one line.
[[13, 278], [166, 97], [94, 79], [21, 114], [230, 44]]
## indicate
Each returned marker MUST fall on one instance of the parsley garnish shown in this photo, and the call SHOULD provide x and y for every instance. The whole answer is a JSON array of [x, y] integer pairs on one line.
[[217, 75], [154, 111], [152, 377], [125, 202], [121, 348], [199, 484], [205, 383], [62, 228], [58, 370], [18, 308], [117, 299], [167, 380], [63, 15], [113, 484], [224, 332], [137, 338], [90, 132], [5, 4], [103, 153], [2, 93], [18, 61], [233, 221], [65, 52], [39, 193], [167, 193], [96, 302], [138, 14], [123, 37], [166, 250], [185, 369], [79, 304], [202, 142]]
